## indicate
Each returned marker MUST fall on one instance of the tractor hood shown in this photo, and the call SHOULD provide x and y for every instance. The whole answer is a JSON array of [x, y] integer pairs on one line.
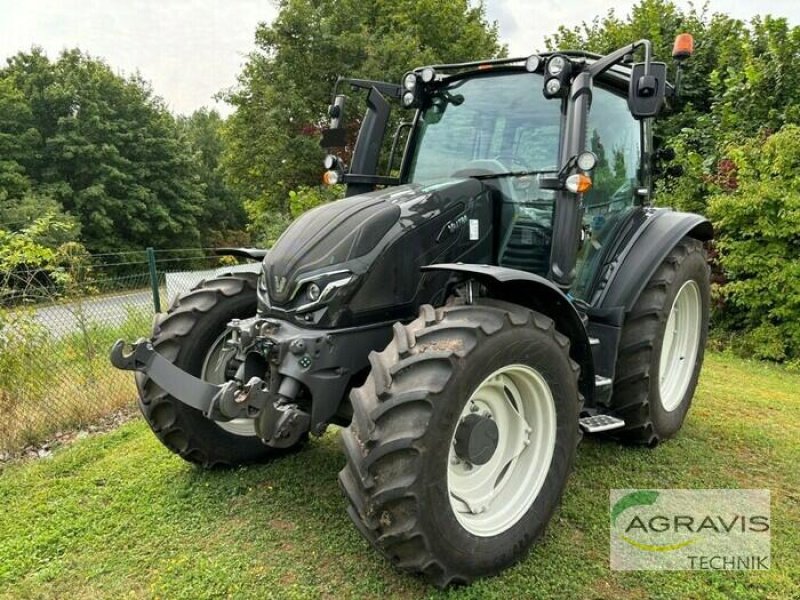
[[328, 250]]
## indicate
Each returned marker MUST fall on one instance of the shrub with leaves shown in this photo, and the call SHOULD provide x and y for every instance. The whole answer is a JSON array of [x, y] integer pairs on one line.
[[758, 238], [39, 260]]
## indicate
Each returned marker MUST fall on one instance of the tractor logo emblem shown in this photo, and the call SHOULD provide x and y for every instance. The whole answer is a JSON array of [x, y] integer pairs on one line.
[[280, 284]]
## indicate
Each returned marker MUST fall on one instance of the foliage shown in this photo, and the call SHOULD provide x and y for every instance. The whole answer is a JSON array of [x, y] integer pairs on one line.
[[307, 198], [49, 382], [79, 139], [222, 217], [39, 260], [758, 237], [285, 87]]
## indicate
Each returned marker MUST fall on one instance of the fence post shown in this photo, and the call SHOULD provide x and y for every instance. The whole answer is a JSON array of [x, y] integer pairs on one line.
[[151, 261]]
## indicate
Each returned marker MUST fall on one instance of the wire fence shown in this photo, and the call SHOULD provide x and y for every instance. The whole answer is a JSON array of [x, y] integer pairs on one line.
[[56, 327]]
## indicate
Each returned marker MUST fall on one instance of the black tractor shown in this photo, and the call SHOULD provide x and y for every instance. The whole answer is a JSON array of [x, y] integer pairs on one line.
[[500, 287]]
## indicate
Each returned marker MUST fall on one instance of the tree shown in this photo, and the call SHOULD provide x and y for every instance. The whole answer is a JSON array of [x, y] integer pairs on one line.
[[285, 87], [735, 134], [97, 146], [757, 230], [222, 219]]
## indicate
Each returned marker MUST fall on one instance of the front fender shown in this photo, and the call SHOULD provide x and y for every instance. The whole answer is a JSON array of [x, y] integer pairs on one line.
[[539, 294], [256, 254]]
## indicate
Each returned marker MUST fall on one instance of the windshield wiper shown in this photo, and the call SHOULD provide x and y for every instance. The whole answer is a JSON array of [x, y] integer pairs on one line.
[[511, 174]]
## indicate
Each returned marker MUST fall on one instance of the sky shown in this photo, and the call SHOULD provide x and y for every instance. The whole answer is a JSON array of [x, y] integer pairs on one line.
[[192, 49]]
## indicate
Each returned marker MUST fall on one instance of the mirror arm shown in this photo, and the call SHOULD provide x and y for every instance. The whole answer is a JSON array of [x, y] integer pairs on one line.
[[608, 61]]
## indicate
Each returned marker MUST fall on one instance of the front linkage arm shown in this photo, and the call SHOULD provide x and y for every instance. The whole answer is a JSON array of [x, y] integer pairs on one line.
[[278, 424], [224, 402]]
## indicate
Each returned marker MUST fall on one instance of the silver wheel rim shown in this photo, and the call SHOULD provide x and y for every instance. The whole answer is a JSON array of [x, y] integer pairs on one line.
[[680, 345], [491, 498], [213, 371]]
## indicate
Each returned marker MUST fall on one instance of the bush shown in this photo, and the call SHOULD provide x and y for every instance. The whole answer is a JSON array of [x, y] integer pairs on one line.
[[758, 238]]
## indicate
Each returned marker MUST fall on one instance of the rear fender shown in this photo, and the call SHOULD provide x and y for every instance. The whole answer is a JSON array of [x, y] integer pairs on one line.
[[539, 294], [628, 275]]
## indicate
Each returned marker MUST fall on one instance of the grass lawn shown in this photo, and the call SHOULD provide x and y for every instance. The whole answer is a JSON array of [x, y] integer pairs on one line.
[[117, 515]]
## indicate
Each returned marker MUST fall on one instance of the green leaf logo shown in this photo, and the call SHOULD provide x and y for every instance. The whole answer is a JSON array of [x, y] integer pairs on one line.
[[643, 498], [638, 498]]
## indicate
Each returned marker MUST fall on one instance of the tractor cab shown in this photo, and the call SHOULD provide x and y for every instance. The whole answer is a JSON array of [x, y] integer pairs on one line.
[[563, 140], [502, 129]]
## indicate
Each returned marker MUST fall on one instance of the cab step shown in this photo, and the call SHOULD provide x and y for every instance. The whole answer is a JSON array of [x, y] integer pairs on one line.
[[598, 423], [602, 382]]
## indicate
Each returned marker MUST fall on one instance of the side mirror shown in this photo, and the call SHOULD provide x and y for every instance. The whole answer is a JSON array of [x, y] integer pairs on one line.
[[336, 135], [647, 91]]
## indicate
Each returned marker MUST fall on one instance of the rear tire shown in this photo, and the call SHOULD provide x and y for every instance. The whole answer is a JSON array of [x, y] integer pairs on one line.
[[399, 477], [185, 336], [653, 391]]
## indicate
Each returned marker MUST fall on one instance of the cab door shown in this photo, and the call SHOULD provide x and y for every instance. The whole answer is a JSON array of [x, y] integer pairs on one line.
[[616, 138]]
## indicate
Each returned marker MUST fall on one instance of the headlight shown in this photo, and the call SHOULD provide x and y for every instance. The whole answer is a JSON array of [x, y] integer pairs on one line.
[[318, 292]]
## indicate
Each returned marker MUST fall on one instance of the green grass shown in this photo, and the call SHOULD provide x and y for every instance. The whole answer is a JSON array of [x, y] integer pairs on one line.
[[116, 515]]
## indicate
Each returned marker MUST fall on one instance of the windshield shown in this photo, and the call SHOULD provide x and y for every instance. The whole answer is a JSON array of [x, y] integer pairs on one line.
[[487, 124]]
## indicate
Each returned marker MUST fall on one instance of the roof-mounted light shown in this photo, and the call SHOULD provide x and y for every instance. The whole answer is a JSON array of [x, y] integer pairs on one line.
[[532, 63], [556, 65], [683, 47], [428, 74], [410, 82]]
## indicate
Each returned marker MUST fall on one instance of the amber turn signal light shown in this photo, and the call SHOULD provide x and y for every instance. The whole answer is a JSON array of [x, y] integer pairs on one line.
[[330, 178], [579, 183]]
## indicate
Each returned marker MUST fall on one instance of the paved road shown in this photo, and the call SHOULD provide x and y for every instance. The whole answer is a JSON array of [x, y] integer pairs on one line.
[[61, 319]]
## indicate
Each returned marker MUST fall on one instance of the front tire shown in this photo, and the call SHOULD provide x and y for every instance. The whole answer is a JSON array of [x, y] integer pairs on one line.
[[189, 335], [662, 347], [411, 490]]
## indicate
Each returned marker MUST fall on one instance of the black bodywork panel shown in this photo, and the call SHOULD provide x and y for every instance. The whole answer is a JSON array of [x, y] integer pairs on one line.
[[382, 239], [251, 253], [628, 274]]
